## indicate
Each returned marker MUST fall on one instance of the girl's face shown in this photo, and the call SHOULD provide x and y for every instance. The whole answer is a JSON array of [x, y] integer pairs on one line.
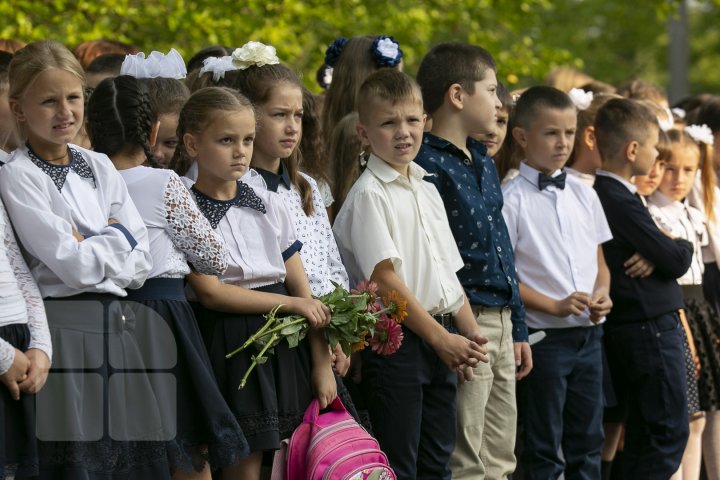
[[680, 171], [224, 148], [51, 111], [167, 139], [279, 124], [493, 140], [647, 184]]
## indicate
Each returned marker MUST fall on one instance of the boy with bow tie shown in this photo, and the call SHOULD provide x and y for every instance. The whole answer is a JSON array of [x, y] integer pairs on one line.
[[557, 228]]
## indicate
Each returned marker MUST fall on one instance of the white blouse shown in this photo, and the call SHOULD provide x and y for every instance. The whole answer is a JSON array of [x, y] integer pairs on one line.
[[320, 255], [680, 220], [47, 202], [20, 300], [257, 230], [177, 230]]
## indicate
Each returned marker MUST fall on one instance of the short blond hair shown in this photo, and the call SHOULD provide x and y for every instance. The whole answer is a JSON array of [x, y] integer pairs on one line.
[[389, 85]]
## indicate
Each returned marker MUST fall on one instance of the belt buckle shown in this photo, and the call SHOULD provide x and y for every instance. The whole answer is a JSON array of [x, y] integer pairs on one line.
[[444, 319]]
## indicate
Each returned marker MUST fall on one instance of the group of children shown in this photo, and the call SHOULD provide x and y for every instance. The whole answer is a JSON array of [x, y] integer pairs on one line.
[[157, 221]]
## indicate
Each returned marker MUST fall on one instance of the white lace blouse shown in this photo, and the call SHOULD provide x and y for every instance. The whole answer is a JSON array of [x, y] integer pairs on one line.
[[20, 300], [47, 202], [178, 231], [257, 230]]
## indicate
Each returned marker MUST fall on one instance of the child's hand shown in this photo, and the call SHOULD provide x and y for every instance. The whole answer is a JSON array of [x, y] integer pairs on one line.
[[574, 304], [112, 221], [638, 266], [16, 374], [340, 361], [78, 236], [523, 359], [456, 351], [478, 338], [317, 314], [324, 385], [37, 372], [465, 374], [600, 305]]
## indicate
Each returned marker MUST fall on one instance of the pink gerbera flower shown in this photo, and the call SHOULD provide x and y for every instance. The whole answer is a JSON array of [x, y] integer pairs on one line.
[[366, 286], [388, 336]]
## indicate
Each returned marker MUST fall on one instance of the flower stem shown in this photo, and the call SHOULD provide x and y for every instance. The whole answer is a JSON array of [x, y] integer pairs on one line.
[[270, 344], [257, 335]]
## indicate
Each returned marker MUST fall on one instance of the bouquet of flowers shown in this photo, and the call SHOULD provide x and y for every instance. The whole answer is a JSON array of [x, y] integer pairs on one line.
[[360, 318]]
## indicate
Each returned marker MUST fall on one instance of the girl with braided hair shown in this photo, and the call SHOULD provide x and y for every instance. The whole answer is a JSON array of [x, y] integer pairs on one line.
[[122, 125]]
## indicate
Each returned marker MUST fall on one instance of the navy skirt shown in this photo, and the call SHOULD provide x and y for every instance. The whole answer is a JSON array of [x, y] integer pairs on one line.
[[705, 326], [277, 393], [170, 340], [99, 415], [18, 446]]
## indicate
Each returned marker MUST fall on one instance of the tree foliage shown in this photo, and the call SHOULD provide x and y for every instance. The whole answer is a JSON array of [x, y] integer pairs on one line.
[[610, 40]]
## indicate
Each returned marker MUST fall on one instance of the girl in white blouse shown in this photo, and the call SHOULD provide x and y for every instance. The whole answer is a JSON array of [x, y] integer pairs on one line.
[[121, 124], [672, 213], [217, 128], [85, 244], [24, 337]]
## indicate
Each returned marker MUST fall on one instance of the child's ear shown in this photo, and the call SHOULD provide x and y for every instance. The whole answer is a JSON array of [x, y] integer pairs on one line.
[[588, 138], [16, 109], [362, 134], [190, 144], [520, 137], [152, 138], [455, 95], [631, 150]]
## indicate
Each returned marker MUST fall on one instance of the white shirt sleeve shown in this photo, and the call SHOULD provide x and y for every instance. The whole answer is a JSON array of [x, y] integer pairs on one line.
[[7, 356], [371, 239], [511, 210], [191, 232], [48, 237]]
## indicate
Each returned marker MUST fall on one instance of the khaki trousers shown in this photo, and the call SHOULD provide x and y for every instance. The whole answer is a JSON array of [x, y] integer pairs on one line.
[[486, 408]]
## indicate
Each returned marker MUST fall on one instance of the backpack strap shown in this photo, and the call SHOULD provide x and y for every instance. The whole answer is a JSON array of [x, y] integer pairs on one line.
[[278, 471]]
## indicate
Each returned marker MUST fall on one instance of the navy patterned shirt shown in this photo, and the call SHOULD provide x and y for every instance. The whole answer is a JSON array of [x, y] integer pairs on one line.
[[473, 200]]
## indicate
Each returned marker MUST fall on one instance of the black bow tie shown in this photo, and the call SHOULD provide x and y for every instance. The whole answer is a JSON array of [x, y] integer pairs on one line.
[[545, 180]]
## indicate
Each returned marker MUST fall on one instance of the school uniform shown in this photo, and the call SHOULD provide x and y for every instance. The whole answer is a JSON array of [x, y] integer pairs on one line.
[[556, 224], [3, 157], [96, 419], [205, 428], [411, 393], [643, 335], [586, 178], [260, 237], [320, 255], [23, 325], [681, 220], [487, 413]]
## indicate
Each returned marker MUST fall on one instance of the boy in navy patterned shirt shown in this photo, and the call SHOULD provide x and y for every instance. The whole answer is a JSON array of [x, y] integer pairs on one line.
[[459, 87]]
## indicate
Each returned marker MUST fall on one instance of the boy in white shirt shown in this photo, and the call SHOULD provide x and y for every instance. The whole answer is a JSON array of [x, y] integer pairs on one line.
[[556, 224], [393, 229]]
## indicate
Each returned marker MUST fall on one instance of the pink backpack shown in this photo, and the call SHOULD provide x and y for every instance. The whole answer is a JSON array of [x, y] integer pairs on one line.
[[333, 446]]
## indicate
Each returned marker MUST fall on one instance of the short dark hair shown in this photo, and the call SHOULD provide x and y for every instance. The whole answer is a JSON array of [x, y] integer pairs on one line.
[[447, 64], [619, 122], [386, 84], [106, 63], [536, 99], [709, 114], [167, 95]]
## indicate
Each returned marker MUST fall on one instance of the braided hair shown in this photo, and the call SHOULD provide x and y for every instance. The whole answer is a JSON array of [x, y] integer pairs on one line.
[[120, 117]]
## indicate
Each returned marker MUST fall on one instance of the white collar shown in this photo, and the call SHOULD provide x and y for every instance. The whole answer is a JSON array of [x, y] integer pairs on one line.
[[624, 181]]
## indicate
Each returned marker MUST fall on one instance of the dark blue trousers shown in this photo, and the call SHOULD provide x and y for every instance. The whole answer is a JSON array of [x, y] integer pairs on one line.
[[648, 372], [563, 405], [411, 396]]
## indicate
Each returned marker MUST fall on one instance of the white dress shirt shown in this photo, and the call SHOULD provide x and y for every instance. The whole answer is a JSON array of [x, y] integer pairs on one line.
[[555, 234], [680, 220], [387, 216], [258, 241], [45, 207], [586, 178]]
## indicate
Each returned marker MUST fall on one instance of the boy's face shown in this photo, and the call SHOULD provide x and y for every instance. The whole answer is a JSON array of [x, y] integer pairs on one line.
[[482, 106], [548, 139], [646, 153], [494, 139], [393, 131], [647, 184]]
